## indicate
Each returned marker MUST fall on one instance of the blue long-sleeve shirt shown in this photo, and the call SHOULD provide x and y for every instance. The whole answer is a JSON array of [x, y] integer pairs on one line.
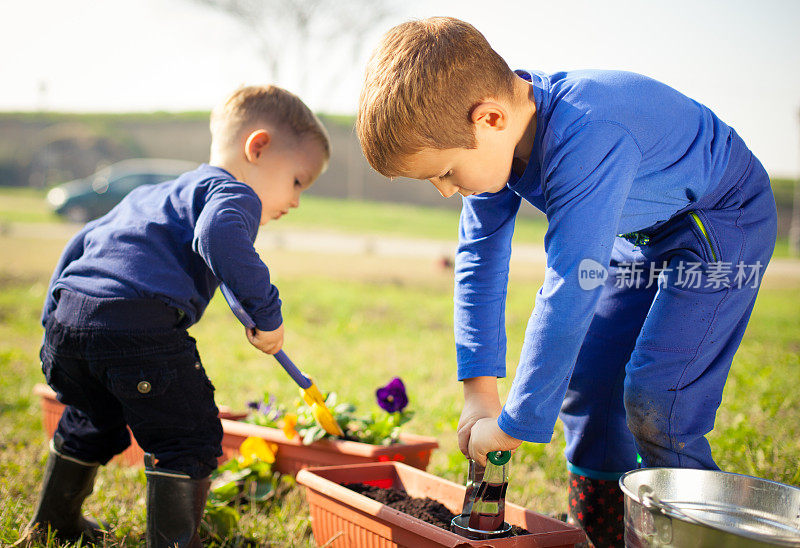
[[175, 242], [614, 153]]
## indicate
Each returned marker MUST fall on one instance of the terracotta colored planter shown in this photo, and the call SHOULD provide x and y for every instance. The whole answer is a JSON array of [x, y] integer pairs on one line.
[[342, 518], [292, 455], [133, 455]]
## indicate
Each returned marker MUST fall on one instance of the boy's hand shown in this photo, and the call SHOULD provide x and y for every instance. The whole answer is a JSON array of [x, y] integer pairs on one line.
[[480, 401], [266, 341], [487, 436]]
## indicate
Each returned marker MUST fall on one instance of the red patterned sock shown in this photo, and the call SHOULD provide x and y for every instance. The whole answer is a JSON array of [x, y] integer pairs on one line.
[[597, 507]]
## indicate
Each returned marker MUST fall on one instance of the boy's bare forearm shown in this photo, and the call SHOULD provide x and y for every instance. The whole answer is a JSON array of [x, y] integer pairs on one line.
[[480, 385]]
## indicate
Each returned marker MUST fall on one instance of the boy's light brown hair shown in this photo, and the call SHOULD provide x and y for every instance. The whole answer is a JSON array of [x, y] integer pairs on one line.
[[270, 105], [420, 87]]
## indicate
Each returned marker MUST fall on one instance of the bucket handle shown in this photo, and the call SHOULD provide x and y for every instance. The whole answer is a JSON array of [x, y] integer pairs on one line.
[[652, 502]]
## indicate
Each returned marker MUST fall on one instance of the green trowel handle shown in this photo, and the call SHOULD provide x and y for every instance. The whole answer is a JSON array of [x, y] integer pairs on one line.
[[499, 458]]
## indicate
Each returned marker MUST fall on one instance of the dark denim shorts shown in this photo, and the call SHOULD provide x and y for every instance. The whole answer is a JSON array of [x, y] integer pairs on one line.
[[118, 363]]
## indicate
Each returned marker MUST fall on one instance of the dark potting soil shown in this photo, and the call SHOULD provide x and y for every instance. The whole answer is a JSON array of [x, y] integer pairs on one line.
[[426, 509]]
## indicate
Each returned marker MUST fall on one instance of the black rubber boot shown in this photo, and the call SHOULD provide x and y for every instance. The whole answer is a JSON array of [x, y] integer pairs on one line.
[[175, 505], [597, 507], [66, 484]]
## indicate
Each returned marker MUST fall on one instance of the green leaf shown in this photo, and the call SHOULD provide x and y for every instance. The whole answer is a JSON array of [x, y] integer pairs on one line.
[[225, 492], [231, 465], [261, 489], [261, 469], [308, 435], [344, 408], [222, 519]]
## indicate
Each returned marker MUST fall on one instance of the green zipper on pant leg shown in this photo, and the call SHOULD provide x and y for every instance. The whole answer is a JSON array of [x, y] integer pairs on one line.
[[702, 228]]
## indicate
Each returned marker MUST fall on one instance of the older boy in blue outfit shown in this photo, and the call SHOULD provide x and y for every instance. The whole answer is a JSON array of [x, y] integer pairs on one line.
[[641, 187], [128, 286]]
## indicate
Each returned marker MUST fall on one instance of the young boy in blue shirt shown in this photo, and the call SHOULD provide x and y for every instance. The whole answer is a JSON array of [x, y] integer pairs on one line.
[[633, 177], [128, 286]]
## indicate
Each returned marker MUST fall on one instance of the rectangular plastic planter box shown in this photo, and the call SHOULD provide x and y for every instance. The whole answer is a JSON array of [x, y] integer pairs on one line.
[[133, 455], [292, 455], [342, 518]]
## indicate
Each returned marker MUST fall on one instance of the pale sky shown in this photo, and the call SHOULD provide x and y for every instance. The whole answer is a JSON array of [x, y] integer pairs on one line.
[[739, 57]]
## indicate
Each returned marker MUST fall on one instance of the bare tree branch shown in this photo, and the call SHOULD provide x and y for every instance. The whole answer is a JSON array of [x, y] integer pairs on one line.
[[293, 34]]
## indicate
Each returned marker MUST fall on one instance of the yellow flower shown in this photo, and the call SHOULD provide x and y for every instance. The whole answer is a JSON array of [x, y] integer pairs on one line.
[[256, 449], [287, 425]]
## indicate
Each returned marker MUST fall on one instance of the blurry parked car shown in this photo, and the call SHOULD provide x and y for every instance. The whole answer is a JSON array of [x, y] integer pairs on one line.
[[84, 199]]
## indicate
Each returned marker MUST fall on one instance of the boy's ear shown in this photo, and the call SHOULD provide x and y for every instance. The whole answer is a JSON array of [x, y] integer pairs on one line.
[[489, 114], [256, 143]]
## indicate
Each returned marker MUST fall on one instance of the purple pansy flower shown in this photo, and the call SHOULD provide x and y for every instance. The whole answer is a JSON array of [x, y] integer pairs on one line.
[[266, 408], [392, 397]]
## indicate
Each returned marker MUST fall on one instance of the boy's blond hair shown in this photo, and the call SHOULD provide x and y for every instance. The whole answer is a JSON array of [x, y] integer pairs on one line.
[[268, 105], [421, 84]]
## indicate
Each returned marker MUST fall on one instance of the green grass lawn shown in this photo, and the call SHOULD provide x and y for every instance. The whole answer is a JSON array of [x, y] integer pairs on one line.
[[319, 213], [353, 327], [403, 220], [395, 219], [24, 205]]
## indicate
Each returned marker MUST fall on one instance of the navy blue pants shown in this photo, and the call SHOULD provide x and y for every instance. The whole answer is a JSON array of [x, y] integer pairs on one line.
[[651, 371], [117, 362]]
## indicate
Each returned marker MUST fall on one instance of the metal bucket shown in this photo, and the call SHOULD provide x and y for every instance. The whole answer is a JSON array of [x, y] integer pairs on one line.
[[702, 508]]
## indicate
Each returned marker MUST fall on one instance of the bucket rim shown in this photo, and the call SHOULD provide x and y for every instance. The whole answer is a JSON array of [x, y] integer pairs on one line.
[[635, 496], [673, 512]]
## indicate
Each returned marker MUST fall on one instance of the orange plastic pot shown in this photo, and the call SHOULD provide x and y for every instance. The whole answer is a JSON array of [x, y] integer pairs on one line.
[[342, 518], [292, 455], [133, 455]]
